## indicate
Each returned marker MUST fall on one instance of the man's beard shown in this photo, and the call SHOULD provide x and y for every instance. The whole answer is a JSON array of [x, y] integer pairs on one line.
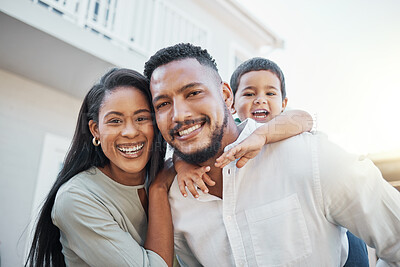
[[210, 151]]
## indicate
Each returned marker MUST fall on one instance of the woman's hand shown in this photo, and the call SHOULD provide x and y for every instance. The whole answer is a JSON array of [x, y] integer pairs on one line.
[[165, 177]]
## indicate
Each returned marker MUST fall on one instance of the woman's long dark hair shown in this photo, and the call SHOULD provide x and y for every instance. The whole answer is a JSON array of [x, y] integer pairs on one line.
[[82, 155]]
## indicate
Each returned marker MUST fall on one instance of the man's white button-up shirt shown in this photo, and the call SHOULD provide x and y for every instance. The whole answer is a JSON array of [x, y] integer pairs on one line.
[[286, 207]]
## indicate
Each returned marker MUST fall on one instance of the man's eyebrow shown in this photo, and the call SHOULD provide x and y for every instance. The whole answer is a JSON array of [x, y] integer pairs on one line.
[[183, 88], [188, 86]]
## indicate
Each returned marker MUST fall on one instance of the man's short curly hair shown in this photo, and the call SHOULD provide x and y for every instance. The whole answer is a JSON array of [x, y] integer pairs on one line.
[[178, 52], [255, 64]]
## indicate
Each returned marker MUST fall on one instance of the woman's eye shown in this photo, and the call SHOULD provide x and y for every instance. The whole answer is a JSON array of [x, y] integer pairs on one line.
[[143, 119], [114, 121]]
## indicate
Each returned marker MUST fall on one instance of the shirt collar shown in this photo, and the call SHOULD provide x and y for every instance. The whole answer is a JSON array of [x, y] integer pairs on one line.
[[246, 128]]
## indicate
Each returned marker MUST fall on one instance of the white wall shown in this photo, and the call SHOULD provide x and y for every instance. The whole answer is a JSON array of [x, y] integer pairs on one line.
[[28, 111]]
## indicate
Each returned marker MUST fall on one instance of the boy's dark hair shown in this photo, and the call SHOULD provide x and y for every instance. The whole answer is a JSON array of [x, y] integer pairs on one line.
[[255, 64], [178, 52]]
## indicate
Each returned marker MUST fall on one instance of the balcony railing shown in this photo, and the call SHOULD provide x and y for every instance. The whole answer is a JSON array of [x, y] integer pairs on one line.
[[140, 25]]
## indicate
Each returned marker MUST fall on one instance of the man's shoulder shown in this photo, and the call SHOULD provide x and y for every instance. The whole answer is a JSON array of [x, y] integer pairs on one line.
[[302, 140]]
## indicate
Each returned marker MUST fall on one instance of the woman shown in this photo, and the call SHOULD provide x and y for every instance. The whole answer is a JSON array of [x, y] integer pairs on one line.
[[95, 213]]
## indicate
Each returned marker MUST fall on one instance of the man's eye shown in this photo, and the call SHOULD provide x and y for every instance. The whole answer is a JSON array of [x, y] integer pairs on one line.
[[161, 105], [194, 93]]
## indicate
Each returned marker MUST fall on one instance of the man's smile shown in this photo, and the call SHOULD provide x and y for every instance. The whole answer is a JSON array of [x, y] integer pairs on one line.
[[187, 129]]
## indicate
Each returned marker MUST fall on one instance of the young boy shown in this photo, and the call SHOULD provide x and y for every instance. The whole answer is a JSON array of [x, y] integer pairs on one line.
[[259, 90]]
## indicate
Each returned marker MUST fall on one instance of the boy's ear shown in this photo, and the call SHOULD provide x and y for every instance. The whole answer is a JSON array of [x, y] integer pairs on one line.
[[233, 110], [94, 129], [284, 104], [227, 95]]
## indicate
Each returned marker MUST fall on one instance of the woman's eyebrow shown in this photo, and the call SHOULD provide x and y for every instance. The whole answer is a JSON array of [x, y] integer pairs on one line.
[[141, 110], [113, 113], [121, 114]]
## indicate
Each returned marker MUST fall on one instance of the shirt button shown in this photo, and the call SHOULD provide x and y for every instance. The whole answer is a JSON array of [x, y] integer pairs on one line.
[[229, 171], [229, 217]]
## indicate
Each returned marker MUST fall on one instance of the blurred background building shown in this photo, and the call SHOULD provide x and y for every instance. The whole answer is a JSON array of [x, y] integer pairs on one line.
[[53, 51]]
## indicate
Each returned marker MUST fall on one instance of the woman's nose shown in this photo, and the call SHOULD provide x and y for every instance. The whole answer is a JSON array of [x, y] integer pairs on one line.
[[130, 130]]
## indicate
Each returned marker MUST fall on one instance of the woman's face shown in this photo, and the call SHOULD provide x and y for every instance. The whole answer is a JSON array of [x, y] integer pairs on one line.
[[125, 130]]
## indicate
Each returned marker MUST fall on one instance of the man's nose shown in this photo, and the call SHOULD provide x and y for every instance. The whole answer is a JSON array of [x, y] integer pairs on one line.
[[181, 111]]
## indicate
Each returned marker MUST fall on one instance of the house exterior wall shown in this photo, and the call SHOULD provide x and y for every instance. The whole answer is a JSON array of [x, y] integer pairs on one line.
[[28, 110]]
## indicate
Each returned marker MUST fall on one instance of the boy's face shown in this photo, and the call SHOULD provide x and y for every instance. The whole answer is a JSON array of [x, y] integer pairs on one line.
[[259, 96]]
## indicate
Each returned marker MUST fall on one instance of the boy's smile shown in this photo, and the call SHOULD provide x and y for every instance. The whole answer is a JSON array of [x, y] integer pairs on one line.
[[260, 114]]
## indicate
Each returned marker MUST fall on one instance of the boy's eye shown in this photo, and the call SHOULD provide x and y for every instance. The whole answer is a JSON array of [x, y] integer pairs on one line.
[[248, 94], [270, 93]]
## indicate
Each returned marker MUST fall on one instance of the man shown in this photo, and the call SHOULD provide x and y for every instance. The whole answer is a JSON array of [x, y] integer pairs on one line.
[[286, 206]]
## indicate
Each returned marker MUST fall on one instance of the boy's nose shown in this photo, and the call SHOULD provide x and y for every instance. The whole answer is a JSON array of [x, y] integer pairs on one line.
[[260, 100]]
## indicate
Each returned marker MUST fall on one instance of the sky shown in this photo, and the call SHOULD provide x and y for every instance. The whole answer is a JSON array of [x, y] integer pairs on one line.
[[341, 62]]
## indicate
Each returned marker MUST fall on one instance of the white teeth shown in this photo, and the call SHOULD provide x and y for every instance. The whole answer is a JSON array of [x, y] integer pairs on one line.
[[131, 150], [260, 113], [189, 130]]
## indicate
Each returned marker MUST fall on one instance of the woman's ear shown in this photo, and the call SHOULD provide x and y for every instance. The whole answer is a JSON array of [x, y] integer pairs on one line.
[[284, 104], [228, 96], [94, 129]]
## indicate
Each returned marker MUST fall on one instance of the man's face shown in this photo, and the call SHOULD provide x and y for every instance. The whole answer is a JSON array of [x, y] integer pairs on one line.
[[188, 99]]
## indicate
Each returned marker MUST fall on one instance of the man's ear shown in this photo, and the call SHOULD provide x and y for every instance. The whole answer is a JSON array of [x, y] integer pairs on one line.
[[284, 104], [227, 95], [94, 129]]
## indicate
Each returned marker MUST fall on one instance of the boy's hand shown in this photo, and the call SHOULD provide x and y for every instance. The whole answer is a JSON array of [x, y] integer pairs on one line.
[[189, 174], [244, 151]]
